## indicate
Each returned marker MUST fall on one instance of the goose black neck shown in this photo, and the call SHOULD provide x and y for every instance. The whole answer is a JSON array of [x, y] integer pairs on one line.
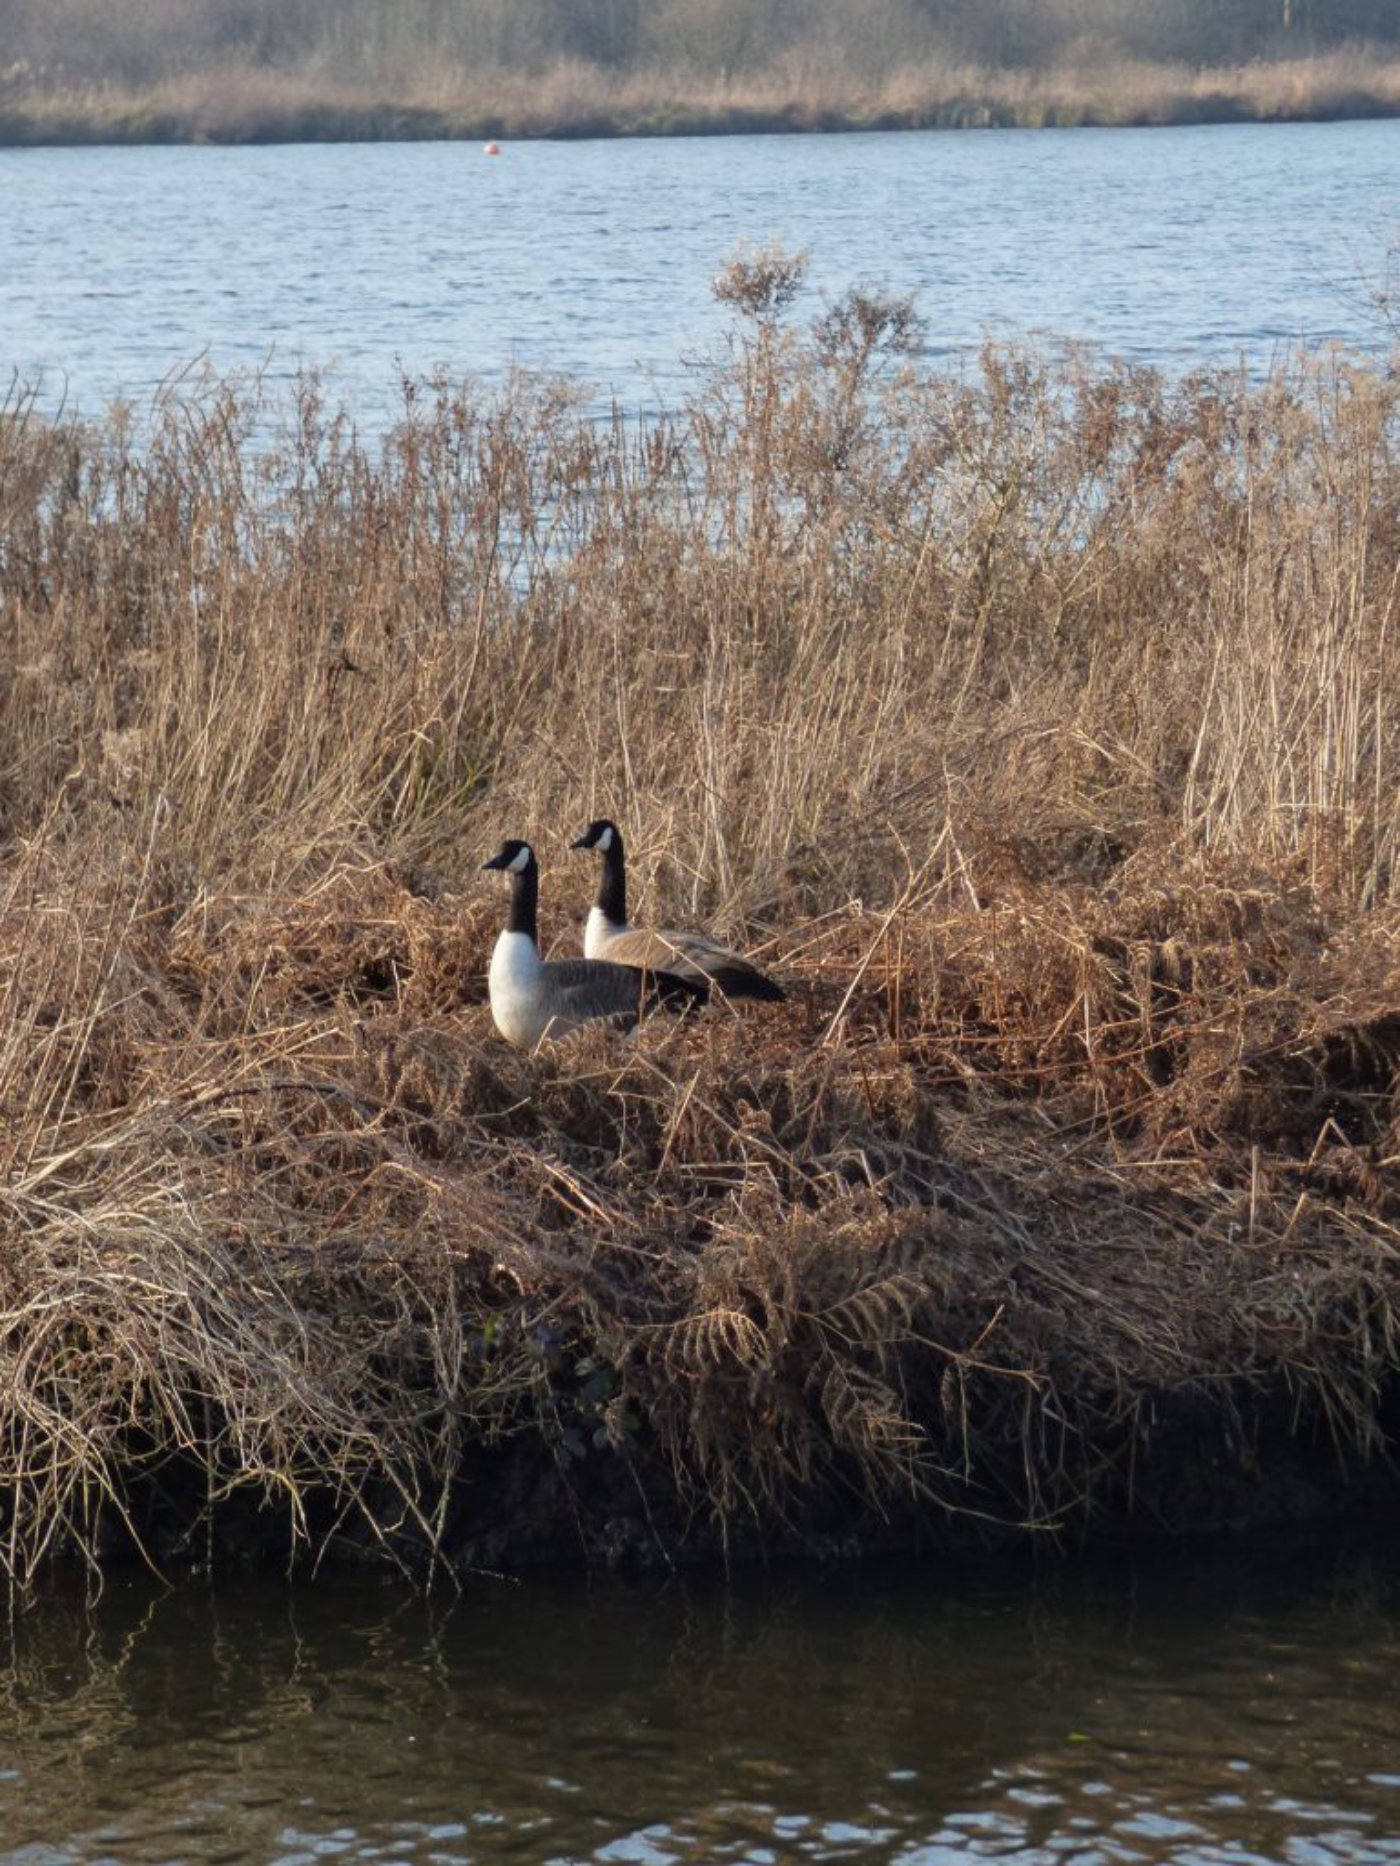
[[612, 883], [524, 900]]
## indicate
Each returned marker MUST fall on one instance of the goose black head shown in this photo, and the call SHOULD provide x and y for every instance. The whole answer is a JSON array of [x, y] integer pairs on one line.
[[600, 834], [513, 855]]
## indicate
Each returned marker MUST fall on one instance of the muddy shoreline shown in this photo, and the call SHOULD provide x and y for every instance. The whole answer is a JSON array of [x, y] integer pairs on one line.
[[1208, 1468]]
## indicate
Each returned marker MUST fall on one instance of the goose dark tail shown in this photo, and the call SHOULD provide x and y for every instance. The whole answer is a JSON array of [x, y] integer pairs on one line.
[[743, 982], [673, 992]]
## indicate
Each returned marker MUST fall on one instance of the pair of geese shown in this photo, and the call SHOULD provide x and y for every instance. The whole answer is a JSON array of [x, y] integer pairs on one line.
[[628, 971]]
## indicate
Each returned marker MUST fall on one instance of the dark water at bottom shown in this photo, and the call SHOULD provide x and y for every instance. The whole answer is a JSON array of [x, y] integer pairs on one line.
[[1240, 1705]]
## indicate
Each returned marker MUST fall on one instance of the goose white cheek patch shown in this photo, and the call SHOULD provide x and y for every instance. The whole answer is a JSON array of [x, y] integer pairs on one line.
[[605, 841], [518, 863]]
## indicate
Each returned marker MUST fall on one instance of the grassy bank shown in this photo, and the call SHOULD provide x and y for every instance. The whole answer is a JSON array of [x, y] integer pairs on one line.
[[247, 103], [1040, 729]]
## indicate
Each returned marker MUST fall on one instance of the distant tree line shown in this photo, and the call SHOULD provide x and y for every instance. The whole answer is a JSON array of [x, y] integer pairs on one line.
[[135, 41]]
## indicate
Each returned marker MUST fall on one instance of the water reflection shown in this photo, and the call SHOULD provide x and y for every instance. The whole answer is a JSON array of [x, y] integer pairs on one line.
[[1232, 1709]]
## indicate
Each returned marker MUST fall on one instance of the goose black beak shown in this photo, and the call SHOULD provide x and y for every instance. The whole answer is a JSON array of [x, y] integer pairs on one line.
[[581, 842], [498, 860]]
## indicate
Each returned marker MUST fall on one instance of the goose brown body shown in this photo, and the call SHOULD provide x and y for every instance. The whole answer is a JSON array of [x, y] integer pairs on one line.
[[689, 956]]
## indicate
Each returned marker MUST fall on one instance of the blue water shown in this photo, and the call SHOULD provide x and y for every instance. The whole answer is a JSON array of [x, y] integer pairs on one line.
[[1175, 247]]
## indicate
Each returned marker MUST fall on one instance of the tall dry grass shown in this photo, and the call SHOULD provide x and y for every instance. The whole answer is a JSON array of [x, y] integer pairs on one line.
[[1038, 726], [821, 85]]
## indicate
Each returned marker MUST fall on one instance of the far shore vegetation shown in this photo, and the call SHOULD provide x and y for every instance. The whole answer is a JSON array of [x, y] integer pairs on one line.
[[1038, 727], [270, 70]]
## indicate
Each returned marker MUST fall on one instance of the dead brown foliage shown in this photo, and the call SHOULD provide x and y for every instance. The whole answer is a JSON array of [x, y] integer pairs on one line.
[[1039, 730], [879, 80]]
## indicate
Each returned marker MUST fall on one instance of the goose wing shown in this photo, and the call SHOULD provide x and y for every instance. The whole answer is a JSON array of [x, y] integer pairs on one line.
[[586, 988], [692, 956]]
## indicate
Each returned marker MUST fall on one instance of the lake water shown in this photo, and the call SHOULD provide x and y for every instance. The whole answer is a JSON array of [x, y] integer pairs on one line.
[[1176, 247], [1239, 1706]]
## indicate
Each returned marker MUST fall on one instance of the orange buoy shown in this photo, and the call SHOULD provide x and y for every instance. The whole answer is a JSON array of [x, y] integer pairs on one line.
[[492, 149]]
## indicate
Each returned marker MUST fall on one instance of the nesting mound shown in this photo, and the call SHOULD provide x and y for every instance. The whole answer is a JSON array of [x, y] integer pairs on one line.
[[1030, 1207]]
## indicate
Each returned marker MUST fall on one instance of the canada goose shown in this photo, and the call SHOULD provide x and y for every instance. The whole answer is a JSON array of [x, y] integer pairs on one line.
[[606, 934], [533, 998]]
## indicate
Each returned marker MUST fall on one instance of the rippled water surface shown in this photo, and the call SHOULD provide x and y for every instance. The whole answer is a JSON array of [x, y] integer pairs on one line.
[[1206, 1710], [1177, 247]]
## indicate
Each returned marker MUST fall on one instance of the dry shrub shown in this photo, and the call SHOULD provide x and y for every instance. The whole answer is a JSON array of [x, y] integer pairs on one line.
[[1038, 727]]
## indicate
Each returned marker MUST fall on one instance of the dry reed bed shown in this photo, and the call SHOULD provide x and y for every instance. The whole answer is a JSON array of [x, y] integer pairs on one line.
[[1039, 728], [821, 90]]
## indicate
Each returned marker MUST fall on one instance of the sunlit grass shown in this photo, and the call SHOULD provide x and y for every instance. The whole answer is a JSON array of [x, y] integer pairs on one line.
[[1040, 729]]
